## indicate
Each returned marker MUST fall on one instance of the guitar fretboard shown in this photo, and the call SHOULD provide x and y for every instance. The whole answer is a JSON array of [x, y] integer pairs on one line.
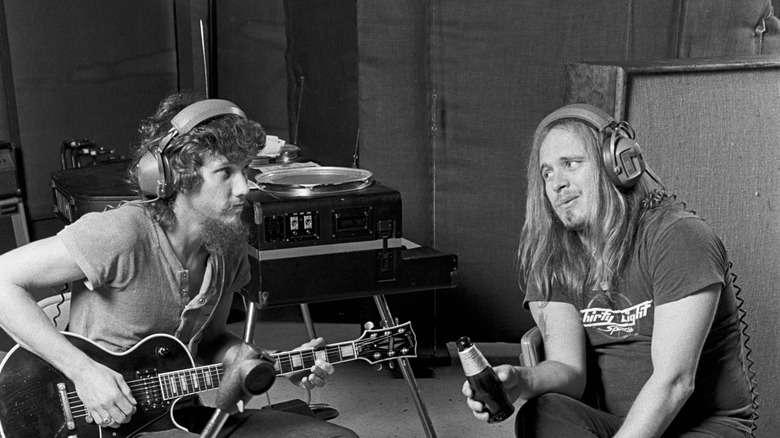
[[298, 360], [191, 381]]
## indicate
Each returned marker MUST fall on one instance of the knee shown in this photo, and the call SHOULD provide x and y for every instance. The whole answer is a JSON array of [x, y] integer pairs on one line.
[[550, 402], [533, 413]]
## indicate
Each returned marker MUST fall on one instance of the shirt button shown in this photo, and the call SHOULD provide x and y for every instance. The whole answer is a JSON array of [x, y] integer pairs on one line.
[[201, 300]]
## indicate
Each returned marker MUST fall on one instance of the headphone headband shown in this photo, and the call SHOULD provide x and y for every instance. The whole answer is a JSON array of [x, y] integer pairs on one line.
[[197, 113], [595, 116]]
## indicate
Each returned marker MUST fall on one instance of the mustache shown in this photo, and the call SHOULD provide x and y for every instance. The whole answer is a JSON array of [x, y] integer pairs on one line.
[[563, 198]]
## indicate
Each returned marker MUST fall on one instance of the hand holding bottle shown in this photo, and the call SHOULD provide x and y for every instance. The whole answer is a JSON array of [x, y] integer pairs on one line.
[[483, 388]]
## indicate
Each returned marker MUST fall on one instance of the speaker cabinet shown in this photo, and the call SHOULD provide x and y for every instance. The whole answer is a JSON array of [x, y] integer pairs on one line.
[[710, 128], [13, 224]]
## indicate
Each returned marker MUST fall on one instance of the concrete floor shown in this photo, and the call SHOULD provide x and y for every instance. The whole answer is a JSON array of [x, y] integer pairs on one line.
[[378, 403]]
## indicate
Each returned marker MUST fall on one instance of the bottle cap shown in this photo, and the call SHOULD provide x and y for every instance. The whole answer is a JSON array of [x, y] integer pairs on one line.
[[463, 343]]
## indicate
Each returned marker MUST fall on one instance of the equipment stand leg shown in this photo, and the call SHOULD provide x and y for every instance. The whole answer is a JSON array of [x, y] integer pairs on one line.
[[218, 418], [307, 320], [406, 370]]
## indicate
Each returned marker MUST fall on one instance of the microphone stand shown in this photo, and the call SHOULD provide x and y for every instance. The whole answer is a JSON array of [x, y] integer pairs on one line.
[[219, 416]]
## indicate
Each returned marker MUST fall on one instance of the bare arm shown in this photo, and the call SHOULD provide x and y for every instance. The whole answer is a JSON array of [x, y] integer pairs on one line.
[[562, 371], [47, 263], [679, 332]]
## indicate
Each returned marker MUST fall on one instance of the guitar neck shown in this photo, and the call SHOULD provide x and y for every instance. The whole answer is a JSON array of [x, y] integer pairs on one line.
[[180, 383], [297, 360]]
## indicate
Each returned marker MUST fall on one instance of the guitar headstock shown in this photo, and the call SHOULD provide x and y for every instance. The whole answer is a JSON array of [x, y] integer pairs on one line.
[[388, 343]]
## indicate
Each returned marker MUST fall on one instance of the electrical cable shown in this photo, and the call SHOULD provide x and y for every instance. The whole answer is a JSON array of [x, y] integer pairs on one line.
[[749, 363], [59, 305]]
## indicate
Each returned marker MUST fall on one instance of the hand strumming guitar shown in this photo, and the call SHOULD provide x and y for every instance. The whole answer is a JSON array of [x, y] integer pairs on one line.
[[106, 396]]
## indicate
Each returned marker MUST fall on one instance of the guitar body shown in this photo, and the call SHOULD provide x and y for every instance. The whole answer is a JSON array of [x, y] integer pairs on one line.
[[31, 403]]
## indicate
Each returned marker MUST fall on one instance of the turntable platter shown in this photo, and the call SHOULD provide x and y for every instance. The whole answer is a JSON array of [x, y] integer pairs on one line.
[[308, 181]]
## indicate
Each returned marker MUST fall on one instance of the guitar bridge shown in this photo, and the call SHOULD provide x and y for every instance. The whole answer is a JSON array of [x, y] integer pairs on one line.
[[63, 393]]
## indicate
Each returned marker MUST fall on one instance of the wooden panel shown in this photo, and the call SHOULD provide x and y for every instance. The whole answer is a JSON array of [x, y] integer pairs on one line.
[[709, 128]]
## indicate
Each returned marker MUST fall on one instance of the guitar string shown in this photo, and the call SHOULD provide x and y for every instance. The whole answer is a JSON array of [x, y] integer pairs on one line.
[[143, 385]]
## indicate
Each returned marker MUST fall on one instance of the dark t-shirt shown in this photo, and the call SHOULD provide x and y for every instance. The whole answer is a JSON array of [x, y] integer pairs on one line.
[[675, 258]]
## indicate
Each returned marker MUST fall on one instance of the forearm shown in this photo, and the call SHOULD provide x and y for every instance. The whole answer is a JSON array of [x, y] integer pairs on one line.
[[657, 404], [25, 322], [552, 376]]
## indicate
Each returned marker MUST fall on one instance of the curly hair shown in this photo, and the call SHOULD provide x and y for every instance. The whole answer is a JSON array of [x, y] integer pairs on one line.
[[229, 135]]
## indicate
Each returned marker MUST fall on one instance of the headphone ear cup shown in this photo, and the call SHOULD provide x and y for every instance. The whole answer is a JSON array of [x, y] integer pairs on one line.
[[623, 160], [154, 175]]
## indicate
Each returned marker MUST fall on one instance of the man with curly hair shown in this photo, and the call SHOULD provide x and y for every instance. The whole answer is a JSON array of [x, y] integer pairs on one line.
[[167, 263]]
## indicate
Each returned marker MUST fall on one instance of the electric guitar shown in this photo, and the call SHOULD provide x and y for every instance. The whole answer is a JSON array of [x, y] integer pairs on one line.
[[37, 401]]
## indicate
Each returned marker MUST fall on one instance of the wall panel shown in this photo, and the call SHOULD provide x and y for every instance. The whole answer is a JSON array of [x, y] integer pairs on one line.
[[84, 68]]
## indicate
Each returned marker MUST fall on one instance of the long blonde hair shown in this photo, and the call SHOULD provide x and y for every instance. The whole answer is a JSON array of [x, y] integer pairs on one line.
[[551, 255]]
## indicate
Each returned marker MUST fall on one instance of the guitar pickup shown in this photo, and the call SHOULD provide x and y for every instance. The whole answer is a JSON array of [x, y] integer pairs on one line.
[[149, 399], [146, 373]]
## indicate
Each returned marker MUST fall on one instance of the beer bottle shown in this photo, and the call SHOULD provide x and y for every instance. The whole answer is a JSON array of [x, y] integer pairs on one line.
[[483, 380]]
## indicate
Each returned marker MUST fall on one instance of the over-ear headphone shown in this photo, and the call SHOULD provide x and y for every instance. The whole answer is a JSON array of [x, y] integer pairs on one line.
[[620, 153], [153, 169]]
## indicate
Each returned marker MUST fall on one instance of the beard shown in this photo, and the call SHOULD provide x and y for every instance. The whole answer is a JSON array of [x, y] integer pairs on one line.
[[572, 220], [221, 237]]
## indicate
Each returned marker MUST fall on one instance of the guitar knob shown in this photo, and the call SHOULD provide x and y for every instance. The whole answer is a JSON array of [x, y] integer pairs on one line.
[[368, 325], [163, 351]]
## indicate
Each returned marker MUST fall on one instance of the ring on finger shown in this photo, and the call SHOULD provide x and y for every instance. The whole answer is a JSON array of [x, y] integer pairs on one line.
[[108, 420]]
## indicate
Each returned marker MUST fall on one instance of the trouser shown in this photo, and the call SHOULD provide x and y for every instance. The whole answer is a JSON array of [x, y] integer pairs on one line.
[[252, 423], [555, 415]]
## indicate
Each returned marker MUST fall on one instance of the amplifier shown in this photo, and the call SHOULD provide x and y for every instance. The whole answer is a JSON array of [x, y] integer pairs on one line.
[[359, 217], [13, 222], [9, 179]]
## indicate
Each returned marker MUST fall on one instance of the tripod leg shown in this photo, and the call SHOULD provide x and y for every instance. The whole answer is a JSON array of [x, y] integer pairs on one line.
[[406, 370]]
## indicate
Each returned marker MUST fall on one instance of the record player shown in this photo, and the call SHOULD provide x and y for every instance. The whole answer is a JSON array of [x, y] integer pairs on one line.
[[295, 207]]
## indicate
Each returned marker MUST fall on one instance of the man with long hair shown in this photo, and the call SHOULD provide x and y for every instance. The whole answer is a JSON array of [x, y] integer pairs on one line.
[[168, 263], [632, 294]]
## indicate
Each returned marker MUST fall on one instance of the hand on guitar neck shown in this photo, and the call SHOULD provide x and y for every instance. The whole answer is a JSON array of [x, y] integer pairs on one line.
[[314, 376]]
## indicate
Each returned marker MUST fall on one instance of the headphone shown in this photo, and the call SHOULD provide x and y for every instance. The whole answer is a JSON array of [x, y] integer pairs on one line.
[[620, 153], [153, 170]]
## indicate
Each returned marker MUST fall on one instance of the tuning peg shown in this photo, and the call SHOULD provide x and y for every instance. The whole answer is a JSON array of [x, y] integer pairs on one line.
[[368, 325], [391, 365], [378, 367]]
